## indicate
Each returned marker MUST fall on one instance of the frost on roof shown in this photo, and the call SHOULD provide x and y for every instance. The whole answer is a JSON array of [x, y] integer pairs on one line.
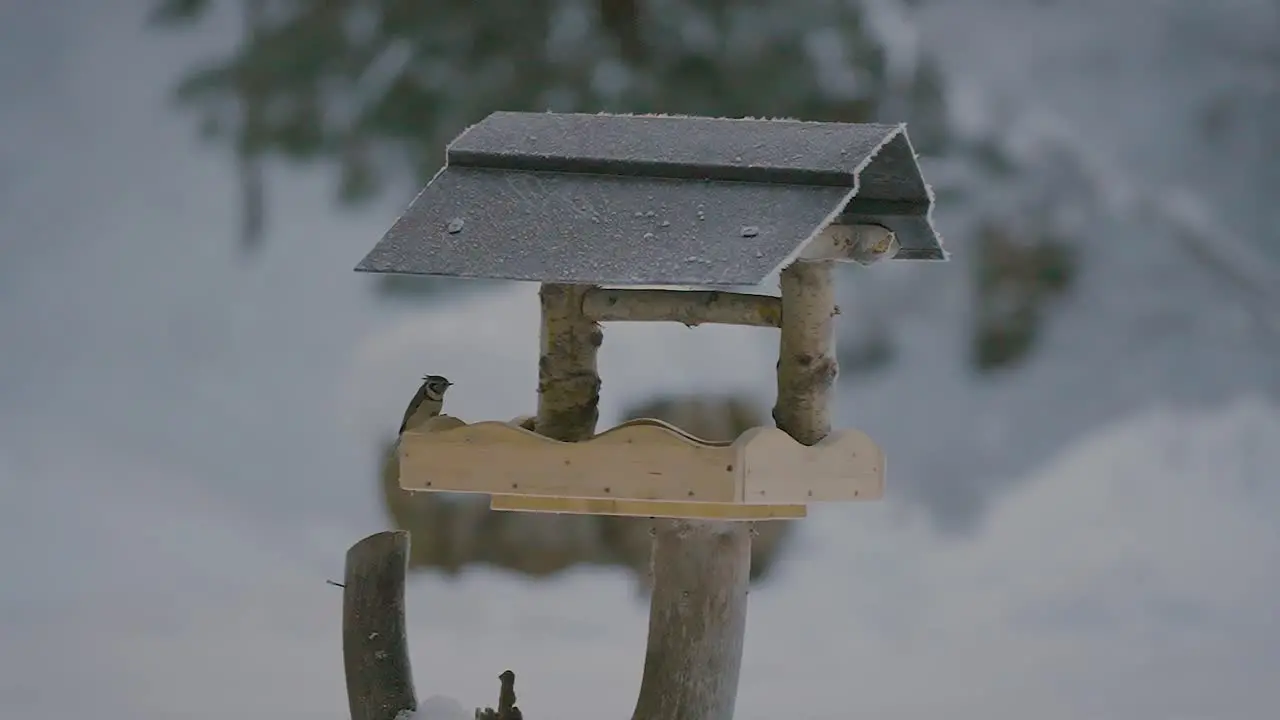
[[651, 200]]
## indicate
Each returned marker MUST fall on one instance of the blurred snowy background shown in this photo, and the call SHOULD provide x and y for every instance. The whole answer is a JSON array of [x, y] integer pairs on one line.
[[1082, 409]]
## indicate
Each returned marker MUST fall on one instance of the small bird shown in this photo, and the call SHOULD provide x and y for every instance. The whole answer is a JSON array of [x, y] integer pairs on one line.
[[427, 402]]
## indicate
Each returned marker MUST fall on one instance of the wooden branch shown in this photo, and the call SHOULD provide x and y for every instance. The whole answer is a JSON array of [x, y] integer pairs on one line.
[[691, 307], [807, 366], [697, 621], [568, 383], [864, 244], [375, 651]]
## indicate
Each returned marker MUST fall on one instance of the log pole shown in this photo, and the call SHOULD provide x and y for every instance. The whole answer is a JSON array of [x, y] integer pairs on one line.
[[375, 651]]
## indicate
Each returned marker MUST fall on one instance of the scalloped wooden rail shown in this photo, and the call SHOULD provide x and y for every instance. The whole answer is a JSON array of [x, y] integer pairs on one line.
[[642, 467]]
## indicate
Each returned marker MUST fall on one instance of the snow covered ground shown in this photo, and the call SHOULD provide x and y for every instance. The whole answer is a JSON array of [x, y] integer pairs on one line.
[[187, 444]]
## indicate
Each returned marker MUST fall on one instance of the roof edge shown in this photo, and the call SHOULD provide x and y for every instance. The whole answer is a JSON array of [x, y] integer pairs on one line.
[[467, 149], [938, 254], [801, 246], [669, 169]]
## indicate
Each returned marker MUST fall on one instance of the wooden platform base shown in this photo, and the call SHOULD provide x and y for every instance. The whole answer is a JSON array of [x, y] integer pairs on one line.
[[641, 461], [646, 508]]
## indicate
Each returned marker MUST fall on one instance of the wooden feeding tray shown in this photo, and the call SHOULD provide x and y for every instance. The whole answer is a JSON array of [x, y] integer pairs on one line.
[[642, 467]]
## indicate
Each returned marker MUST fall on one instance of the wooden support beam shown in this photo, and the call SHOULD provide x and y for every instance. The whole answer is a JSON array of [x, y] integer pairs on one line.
[[691, 307], [807, 367], [568, 381], [375, 651]]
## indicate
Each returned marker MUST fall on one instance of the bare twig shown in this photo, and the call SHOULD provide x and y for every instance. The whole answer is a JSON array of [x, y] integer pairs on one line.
[[375, 651], [691, 307]]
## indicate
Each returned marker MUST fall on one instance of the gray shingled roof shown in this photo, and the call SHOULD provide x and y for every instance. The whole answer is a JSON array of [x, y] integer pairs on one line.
[[652, 200]]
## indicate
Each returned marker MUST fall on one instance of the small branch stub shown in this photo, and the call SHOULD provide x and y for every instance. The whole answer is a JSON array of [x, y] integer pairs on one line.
[[691, 307], [507, 709]]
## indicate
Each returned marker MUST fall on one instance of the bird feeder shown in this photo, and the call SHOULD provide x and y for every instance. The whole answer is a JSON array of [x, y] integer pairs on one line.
[[591, 206]]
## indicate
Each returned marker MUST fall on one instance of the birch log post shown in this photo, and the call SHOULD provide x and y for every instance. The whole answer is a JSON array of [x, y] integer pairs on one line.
[[807, 366], [697, 617], [691, 307], [568, 381], [701, 570], [375, 651], [697, 621]]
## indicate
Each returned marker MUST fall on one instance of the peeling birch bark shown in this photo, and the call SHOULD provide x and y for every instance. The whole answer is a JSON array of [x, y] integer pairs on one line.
[[864, 244], [568, 381], [807, 366], [691, 307]]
